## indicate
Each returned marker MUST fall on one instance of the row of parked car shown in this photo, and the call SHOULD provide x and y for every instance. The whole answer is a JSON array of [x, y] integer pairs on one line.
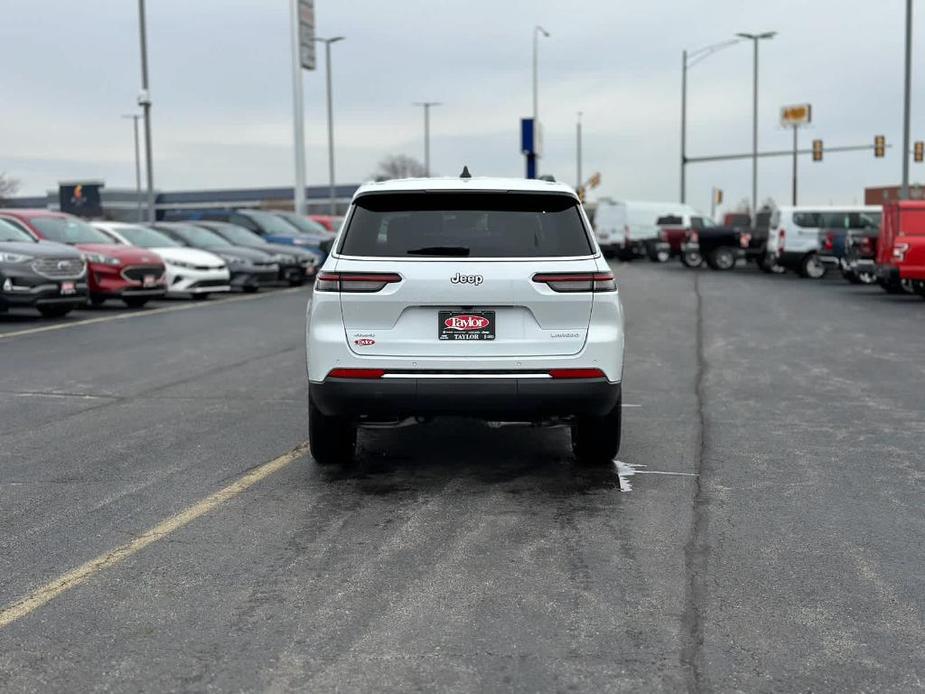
[[54, 262], [866, 244]]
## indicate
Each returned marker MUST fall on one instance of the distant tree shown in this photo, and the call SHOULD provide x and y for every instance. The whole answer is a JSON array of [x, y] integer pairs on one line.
[[8, 186], [399, 166]]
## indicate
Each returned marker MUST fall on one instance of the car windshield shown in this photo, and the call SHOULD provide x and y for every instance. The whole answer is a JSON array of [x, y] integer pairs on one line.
[[68, 230], [199, 237], [477, 225], [236, 234], [146, 238], [270, 223], [10, 233], [303, 224]]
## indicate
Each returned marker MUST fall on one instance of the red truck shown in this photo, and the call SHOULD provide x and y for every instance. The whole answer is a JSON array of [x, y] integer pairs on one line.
[[901, 248]]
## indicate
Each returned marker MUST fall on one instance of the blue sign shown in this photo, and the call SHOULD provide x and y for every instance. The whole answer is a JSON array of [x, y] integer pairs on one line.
[[527, 138]]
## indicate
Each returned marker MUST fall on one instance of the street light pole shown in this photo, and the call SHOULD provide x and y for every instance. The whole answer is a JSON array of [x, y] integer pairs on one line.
[[578, 151], [426, 105], [907, 104], [537, 30], [688, 60], [327, 64], [298, 125], [135, 117], [755, 38], [144, 100]]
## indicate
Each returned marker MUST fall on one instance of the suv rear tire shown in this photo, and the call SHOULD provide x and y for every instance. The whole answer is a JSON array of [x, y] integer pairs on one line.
[[770, 266], [596, 440], [332, 440], [722, 259]]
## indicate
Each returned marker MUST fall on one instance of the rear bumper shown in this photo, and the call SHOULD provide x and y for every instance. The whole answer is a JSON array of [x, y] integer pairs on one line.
[[497, 399]]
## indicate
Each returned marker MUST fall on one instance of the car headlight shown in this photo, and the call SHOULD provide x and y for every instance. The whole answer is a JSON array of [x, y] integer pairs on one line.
[[14, 258], [180, 264], [100, 258]]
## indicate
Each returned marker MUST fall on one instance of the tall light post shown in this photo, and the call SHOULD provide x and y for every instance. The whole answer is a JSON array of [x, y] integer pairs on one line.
[[907, 102], [144, 100], [327, 64], [688, 60], [298, 116], [427, 106], [135, 117], [755, 38], [537, 30], [578, 151]]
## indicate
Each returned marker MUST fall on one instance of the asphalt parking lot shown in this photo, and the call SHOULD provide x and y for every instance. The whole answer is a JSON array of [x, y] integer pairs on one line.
[[163, 528]]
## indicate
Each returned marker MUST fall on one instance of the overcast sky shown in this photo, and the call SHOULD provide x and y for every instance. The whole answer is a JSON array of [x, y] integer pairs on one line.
[[220, 82]]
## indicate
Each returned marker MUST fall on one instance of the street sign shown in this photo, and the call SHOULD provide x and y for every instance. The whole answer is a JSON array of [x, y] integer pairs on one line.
[[307, 33], [796, 115]]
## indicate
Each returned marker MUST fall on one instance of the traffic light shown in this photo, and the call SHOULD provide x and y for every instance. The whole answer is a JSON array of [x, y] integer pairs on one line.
[[817, 150], [718, 196], [879, 145], [918, 151]]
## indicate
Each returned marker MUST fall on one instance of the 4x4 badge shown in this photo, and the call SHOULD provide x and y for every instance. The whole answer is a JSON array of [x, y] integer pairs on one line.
[[467, 279]]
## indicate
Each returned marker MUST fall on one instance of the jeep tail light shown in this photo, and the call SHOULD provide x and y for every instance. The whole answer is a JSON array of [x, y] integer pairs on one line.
[[576, 373], [362, 282], [899, 251], [356, 373], [577, 281]]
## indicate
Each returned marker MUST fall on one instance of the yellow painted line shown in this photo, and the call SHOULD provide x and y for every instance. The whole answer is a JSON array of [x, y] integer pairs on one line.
[[150, 312], [75, 577]]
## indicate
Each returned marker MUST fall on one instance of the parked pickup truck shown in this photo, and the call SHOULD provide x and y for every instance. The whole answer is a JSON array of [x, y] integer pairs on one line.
[[860, 262], [719, 246], [901, 248]]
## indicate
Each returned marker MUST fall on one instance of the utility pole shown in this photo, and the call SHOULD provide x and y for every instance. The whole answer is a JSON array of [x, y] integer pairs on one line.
[[144, 100], [135, 117], [426, 105], [755, 38], [532, 157], [795, 150], [907, 102], [327, 64]]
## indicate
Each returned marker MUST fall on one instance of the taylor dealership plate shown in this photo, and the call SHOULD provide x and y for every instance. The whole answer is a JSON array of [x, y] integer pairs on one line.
[[466, 325]]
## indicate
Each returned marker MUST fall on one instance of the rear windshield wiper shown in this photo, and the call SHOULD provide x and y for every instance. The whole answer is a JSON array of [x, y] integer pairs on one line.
[[439, 250]]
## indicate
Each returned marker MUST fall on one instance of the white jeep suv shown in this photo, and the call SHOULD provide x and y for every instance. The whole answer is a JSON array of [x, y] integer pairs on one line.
[[484, 298]]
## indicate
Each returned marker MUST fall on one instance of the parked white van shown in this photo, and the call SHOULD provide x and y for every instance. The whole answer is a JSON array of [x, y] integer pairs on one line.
[[627, 229], [793, 237]]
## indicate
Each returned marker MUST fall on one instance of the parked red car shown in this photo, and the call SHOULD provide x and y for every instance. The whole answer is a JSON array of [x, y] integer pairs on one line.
[[328, 221], [901, 248], [134, 275]]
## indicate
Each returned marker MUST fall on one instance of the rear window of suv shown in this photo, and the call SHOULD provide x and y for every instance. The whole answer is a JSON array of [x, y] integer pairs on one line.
[[472, 225]]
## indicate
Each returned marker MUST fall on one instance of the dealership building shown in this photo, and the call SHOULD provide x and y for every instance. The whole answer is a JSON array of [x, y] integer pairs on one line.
[[126, 205]]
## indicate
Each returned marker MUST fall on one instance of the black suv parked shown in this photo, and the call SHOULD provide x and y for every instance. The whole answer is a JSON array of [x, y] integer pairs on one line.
[[49, 277]]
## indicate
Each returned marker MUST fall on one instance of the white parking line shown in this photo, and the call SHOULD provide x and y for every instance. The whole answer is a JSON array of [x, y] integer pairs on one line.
[[150, 312]]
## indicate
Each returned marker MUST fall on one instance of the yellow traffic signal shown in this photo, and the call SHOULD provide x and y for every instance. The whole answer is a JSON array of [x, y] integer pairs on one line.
[[817, 150], [879, 145], [718, 196], [918, 151]]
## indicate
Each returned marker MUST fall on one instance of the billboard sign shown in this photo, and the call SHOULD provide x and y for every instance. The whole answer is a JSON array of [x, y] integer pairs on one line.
[[307, 33], [796, 115], [81, 199]]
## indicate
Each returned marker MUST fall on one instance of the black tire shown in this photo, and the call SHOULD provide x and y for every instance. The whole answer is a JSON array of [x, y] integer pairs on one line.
[[54, 311], [200, 297], [296, 282], [656, 255], [97, 300], [596, 440], [892, 288], [332, 440], [691, 259], [250, 288], [918, 286], [851, 276], [722, 259], [771, 267], [811, 268], [135, 301]]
